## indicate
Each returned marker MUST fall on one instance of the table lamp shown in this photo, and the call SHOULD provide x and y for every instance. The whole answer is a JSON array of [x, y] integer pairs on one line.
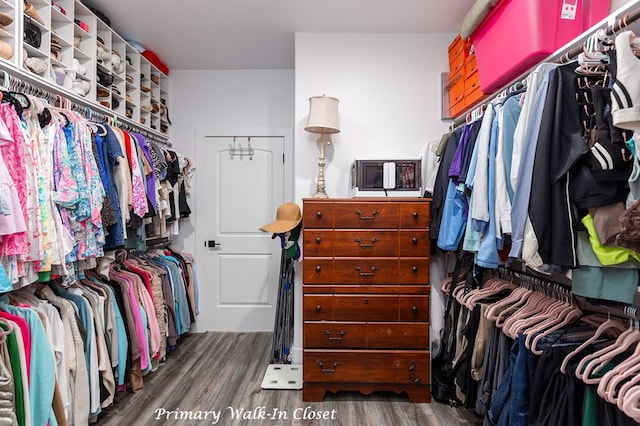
[[323, 119]]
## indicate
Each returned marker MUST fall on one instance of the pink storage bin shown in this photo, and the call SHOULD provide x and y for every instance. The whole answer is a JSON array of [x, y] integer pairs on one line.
[[517, 34]]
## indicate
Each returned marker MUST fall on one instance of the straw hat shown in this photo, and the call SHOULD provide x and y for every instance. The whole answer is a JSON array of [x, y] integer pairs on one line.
[[5, 19], [288, 216], [6, 51]]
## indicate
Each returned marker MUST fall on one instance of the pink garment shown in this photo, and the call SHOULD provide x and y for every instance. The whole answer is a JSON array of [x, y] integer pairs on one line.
[[152, 320], [146, 295], [13, 156], [137, 319], [26, 335], [140, 207]]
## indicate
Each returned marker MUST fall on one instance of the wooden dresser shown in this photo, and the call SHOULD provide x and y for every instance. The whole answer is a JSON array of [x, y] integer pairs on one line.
[[366, 296]]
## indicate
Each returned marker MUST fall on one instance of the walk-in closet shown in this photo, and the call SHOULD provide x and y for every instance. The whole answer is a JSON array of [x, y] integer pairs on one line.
[[290, 213]]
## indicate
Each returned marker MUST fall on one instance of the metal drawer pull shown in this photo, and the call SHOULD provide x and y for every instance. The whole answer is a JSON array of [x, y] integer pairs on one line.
[[372, 217], [414, 309], [318, 240], [318, 308], [414, 268], [373, 243], [414, 240], [326, 370], [318, 268], [318, 215], [415, 215], [338, 339], [366, 274]]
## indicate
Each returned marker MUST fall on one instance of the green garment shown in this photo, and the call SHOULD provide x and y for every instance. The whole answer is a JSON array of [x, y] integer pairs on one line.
[[16, 372]]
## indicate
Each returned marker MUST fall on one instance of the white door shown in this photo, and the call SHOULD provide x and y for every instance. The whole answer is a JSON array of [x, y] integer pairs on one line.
[[243, 188]]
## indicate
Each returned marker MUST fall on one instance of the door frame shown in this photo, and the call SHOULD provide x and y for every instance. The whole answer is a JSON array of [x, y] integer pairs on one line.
[[201, 191]]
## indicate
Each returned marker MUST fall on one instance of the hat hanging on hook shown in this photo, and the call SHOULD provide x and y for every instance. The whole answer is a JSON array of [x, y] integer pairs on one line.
[[288, 216]]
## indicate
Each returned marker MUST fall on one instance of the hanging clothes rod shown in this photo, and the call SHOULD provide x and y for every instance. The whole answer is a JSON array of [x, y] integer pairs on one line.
[[59, 97], [622, 23], [627, 18]]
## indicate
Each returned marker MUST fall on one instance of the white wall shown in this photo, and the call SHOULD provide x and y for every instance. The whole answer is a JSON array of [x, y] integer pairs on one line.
[[390, 100], [224, 99], [390, 96], [238, 99], [389, 91]]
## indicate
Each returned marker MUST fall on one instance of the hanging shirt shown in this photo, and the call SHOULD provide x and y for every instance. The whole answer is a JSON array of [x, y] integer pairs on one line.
[[137, 178], [42, 378], [13, 157]]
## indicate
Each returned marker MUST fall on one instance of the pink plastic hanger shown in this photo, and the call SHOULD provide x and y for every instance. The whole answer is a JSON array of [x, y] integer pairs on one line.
[[631, 403], [586, 360], [509, 305], [495, 286], [625, 389], [606, 327], [570, 314], [530, 315], [601, 358], [611, 380]]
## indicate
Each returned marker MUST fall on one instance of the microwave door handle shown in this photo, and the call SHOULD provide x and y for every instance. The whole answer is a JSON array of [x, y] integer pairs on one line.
[[389, 175]]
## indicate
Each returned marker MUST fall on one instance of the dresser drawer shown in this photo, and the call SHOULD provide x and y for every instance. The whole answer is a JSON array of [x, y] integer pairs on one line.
[[317, 214], [317, 243], [368, 307], [399, 335], [317, 307], [365, 271], [365, 215], [414, 243], [365, 244], [317, 271], [335, 335], [413, 271], [415, 215], [414, 308], [375, 366]]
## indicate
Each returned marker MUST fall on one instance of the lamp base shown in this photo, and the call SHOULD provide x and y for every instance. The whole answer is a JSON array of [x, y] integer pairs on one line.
[[319, 194]]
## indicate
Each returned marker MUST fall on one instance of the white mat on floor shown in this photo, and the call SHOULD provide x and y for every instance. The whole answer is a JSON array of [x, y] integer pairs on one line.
[[283, 376]]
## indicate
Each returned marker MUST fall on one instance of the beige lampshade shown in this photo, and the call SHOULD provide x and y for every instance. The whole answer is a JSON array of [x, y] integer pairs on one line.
[[323, 115]]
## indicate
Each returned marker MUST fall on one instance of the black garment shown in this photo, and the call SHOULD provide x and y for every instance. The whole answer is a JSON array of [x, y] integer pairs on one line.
[[468, 150], [183, 207], [601, 177], [550, 212], [440, 187], [464, 381], [173, 173], [555, 398], [610, 415]]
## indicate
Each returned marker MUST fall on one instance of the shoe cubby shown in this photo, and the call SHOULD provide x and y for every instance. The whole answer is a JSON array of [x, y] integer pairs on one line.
[[9, 22], [82, 55]]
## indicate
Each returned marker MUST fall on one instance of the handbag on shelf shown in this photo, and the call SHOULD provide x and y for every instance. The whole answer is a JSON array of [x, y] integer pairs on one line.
[[32, 35]]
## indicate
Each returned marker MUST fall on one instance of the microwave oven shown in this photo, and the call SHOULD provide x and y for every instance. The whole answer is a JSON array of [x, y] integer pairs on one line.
[[386, 178]]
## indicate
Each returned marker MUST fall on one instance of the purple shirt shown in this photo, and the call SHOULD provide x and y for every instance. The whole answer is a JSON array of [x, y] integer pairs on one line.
[[151, 182]]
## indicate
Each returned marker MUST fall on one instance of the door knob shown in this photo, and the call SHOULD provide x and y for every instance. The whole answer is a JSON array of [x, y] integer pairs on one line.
[[211, 244]]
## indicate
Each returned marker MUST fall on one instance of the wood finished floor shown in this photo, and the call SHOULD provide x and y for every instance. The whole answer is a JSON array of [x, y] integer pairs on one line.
[[212, 371]]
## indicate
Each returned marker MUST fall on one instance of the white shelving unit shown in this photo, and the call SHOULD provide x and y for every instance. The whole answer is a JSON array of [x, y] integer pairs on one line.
[[83, 58]]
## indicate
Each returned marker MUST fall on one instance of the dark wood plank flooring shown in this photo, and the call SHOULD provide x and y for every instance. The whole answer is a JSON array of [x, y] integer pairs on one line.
[[222, 371]]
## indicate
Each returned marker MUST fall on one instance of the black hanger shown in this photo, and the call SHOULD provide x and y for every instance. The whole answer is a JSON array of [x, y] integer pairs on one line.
[[22, 98], [67, 121], [44, 118], [7, 97]]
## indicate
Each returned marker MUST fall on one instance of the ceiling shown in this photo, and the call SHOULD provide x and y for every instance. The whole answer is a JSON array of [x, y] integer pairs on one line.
[[259, 34]]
